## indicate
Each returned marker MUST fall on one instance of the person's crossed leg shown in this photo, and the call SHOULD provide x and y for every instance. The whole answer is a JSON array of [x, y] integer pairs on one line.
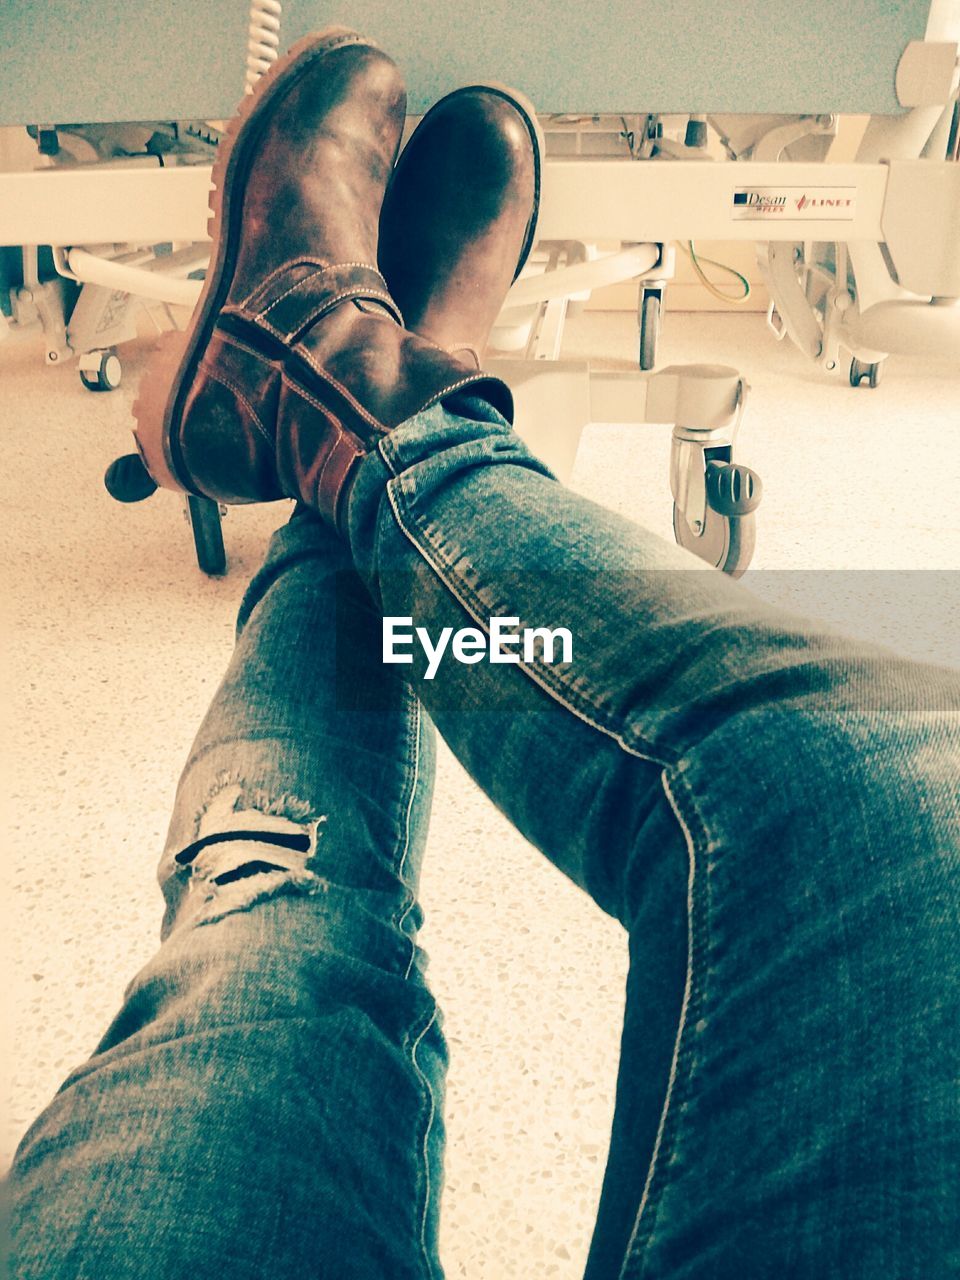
[[769, 809]]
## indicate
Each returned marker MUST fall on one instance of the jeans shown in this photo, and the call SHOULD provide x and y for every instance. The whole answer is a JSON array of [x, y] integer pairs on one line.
[[771, 811]]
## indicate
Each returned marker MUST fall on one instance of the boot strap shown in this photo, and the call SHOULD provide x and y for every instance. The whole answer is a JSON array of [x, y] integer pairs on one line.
[[295, 296]]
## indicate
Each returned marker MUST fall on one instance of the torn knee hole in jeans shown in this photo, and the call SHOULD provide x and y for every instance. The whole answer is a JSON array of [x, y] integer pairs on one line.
[[202, 855], [244, 854]]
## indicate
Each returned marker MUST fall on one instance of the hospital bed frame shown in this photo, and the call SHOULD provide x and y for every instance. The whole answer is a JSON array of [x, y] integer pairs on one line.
[[862, 256]]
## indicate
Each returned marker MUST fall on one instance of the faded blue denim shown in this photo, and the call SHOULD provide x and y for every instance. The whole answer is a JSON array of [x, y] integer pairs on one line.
[[772, 811]]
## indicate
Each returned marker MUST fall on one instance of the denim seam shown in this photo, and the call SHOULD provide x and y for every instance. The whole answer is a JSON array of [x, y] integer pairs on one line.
[[386, 449], [431, 1114], [415, 723], [401, 919], [682, 1063], [384, 452], [470, 602]]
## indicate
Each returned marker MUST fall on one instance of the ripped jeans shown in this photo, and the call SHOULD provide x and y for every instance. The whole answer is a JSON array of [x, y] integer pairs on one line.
[[769, 809]]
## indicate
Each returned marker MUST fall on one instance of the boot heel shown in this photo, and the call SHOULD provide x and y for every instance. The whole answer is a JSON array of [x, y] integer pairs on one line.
[[153, 406]]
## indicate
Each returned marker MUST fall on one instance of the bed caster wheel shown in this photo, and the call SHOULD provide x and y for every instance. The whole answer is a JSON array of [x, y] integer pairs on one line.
[[727, 534], [650, 312], [100, 370], [204, 517], [732, 489], [726, 542], [860, 369]]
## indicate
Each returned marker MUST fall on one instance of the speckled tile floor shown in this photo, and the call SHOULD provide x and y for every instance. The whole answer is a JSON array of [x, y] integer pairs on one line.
[[118, 642]]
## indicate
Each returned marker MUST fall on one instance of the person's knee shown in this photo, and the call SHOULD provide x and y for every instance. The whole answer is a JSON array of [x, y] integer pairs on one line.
[[247, 848], [858, 749], [888, 721], [830, 700]]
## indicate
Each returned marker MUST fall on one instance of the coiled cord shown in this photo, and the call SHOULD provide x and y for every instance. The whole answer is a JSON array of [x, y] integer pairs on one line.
[[263, 39]]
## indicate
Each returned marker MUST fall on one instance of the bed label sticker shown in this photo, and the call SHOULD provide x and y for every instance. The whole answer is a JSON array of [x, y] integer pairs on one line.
[[792, 203]]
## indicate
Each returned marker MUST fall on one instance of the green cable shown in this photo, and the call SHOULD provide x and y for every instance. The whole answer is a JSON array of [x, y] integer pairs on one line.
[[711, 288]]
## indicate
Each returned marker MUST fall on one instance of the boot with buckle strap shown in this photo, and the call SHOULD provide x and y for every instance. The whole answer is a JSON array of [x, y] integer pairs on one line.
[[297, 360]]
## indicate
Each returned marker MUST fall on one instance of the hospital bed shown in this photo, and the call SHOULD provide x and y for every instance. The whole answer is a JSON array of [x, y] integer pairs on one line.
[[726, 131]]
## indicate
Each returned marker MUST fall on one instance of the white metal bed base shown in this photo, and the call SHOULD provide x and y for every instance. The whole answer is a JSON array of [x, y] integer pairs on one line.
[[582, 199], [911, 205]]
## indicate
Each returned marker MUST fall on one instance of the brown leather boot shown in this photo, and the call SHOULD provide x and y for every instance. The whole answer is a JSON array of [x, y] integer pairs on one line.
[[459, 218], [296, 360]]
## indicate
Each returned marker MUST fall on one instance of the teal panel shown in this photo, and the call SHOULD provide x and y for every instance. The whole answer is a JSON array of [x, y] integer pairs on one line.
[[792, 56], [86, 61], [95, 60]]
